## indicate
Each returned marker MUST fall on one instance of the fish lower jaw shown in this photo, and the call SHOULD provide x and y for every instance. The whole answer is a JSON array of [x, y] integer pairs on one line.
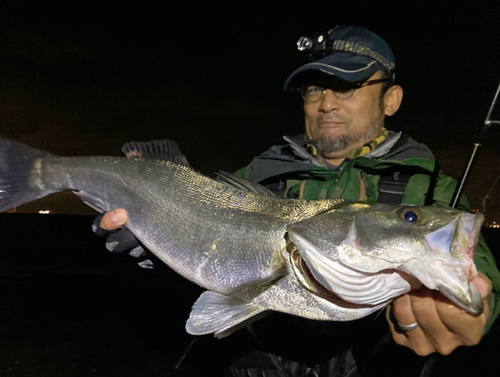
[[451, 278], [472, 303]]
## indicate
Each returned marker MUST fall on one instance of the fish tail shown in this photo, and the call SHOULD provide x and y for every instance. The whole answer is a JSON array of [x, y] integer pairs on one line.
[[20, 174]]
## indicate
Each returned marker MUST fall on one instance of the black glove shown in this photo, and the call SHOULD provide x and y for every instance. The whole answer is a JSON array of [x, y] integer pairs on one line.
[[123, 240]]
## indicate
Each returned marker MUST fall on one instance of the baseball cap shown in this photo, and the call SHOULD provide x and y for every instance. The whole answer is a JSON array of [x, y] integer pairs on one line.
[[351, 53]]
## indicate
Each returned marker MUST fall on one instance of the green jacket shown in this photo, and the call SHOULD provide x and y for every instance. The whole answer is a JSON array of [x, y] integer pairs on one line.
[[292, 172]]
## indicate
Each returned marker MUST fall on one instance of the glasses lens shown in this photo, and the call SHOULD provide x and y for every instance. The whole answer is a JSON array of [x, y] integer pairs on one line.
[[344, 93], [311, 93]]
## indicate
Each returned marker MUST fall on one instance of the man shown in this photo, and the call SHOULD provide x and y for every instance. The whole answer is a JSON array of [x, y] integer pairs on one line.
[[347, 153]]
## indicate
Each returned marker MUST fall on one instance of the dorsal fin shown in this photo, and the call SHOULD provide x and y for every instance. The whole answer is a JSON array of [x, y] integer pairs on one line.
[[164, 149], [243, 184]]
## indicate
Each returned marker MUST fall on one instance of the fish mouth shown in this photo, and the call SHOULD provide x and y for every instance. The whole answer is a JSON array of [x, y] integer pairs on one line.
[[467, 234], [454, 246]]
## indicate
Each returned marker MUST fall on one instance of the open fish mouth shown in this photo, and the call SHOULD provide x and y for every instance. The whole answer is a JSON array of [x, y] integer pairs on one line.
[[454, 246], [458, 238], [467, 234]]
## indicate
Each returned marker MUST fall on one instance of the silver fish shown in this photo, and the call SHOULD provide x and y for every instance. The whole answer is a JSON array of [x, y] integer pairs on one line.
[[325, 260]]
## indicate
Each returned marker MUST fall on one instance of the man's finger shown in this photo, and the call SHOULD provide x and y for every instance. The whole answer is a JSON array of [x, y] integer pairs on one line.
[[401, 314], [114, 219], [404, 314], [402, 311], [424, 304], [483, 284]]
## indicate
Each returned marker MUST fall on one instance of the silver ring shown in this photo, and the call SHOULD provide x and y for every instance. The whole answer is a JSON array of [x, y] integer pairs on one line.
[[405, 328]]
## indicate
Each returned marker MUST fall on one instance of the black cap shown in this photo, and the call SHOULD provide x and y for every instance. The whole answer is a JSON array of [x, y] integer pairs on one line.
[[352, 53]]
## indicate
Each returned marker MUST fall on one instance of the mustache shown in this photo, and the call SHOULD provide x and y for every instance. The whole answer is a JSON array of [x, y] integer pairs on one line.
[[331, 118]]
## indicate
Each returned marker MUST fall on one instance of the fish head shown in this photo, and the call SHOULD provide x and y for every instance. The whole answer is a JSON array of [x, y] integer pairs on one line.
[[431, 243]]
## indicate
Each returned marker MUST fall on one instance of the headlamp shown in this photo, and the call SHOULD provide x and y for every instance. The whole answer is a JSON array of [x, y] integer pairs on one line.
[[316, 47]]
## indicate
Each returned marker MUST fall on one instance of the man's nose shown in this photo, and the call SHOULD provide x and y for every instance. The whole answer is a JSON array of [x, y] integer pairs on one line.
[[329, 102]]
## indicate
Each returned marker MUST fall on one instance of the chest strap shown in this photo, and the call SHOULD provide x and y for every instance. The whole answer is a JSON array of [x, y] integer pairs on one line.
[[391, 188]]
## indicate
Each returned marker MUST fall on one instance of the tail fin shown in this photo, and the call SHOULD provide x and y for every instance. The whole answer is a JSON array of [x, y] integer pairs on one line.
[[20, 177]]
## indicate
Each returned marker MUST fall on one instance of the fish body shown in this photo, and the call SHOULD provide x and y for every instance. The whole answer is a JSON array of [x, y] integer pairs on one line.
[[325, 259]]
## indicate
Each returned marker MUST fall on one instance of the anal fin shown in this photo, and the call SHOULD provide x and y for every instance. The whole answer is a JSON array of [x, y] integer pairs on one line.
[[220, 314]]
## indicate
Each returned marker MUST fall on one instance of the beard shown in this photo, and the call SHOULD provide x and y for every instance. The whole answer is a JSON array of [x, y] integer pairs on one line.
[[327, 144]]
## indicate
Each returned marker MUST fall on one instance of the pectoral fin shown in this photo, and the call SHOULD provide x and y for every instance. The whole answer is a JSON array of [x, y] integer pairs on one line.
[[220, 315]]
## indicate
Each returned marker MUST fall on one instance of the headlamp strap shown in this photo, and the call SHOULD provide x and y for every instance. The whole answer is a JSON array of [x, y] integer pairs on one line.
[[356, 48]]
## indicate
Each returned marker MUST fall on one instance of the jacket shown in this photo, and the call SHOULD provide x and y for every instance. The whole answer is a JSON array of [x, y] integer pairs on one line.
[[399, 164]]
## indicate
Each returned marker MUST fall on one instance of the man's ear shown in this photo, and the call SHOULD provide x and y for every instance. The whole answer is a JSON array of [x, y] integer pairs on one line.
[[392, 100]]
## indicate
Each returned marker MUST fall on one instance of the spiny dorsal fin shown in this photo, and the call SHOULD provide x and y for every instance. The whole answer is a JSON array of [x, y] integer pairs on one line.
[[243, 184], [158, 149]]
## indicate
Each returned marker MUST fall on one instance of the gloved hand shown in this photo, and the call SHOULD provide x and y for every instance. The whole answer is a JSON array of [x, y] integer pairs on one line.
[[122, 240]]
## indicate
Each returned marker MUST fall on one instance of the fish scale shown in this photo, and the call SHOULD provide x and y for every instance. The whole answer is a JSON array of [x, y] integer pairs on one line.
[[252, 226]]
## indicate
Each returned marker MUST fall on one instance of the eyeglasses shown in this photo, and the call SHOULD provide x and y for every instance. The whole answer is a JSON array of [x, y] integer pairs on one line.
[[313, 93]]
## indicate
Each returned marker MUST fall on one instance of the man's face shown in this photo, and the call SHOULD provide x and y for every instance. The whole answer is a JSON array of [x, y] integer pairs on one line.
[[337, 126]]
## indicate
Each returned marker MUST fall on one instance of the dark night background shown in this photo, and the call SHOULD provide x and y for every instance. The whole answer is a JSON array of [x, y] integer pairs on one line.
[[83, 77]]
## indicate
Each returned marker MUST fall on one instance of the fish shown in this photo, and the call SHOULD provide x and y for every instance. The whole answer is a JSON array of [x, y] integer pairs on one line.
[[254, 253]]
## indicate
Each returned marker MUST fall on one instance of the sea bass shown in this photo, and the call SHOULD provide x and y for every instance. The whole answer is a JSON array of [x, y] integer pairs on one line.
[[325, 260]]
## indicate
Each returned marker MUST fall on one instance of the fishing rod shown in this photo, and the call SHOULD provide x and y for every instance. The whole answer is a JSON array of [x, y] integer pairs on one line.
[[477, 143]]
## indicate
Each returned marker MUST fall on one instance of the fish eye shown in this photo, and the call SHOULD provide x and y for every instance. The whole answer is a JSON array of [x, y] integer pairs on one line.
[[412, 216]]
